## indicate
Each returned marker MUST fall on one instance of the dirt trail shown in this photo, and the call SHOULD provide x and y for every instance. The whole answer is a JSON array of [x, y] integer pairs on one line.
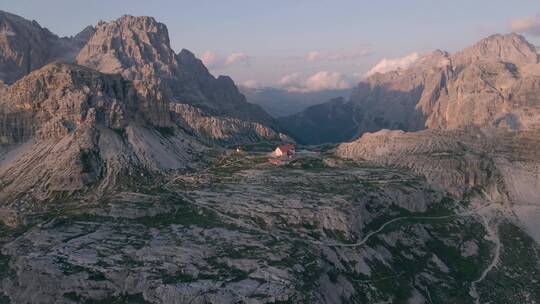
[[369, 235], [492, 235]]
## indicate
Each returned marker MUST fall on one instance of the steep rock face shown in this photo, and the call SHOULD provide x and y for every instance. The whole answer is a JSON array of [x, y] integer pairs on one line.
[[62, 97], [26, 46], [66, 128], [139, 49], [219, 96], [492, 84], [221, 129]]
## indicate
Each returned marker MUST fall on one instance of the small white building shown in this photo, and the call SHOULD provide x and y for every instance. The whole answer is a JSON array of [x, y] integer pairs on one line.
[[285, 150]]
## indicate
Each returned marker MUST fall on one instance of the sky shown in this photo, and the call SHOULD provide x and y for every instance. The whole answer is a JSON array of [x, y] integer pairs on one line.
[[299, 44]]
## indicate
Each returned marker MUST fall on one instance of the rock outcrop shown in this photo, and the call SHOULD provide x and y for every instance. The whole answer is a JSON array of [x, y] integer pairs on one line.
[[459, 160], [500, 166], [221, 128], [69, 128]]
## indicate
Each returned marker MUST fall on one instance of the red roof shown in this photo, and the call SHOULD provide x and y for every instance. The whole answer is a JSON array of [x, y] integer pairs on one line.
[[286, 148]]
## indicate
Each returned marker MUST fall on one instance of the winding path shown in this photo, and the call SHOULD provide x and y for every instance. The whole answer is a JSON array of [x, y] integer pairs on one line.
[[493, 235], [369, 235]]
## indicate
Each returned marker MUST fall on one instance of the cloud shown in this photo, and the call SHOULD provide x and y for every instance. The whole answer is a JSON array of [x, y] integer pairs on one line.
[[251, 84], [337, 56], [215, 61], [320, 81], [290, 80], [393, 64], [238, 59], [327, 81], [209, 58], [527, 25]]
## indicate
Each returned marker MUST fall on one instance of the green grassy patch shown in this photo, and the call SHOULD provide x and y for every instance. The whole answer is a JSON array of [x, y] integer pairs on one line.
[[260, 147], [166, 132], [224, 271], [122, 299], [306, 163], [5, 269], [69, 269]]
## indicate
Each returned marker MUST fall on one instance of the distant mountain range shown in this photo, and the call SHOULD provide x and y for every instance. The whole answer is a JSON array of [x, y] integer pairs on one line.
[[494, 84], [281, 102]]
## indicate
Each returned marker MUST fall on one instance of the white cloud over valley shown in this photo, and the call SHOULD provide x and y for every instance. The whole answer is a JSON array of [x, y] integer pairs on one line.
[[251, 84], [320, 81], [238, 59], [290, 80], [393, 64], [209, 58], [214, 61]]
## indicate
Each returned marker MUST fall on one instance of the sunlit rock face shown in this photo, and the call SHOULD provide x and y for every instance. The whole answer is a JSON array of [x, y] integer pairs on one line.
[[66, 127], [139, 49]]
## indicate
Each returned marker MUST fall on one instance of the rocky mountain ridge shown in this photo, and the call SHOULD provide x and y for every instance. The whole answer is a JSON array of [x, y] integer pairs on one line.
[[138, 48], [26, 46], [492, 84]]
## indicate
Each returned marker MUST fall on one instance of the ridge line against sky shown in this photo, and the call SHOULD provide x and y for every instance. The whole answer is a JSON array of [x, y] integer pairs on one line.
[[303, 45]]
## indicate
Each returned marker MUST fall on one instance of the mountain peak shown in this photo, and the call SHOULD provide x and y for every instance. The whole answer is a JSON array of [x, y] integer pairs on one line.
[[24, 46], [84, 35], [137, 47], [5, 16], [186, 53], [508, 48], [188, 61]]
